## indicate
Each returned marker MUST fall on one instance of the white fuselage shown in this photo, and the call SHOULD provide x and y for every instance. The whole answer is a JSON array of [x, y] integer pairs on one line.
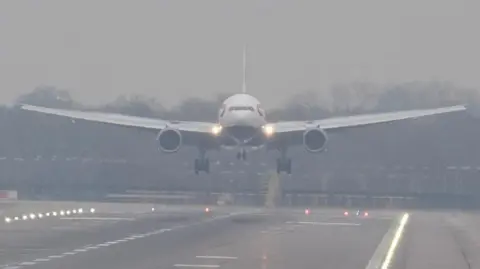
[[241, 118], [241, 110]]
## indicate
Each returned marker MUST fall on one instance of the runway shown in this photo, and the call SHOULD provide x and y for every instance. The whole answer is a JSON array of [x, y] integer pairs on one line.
[[229, 237]]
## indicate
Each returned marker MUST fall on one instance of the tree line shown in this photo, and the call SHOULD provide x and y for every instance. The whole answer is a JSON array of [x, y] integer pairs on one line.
[[41, 141]]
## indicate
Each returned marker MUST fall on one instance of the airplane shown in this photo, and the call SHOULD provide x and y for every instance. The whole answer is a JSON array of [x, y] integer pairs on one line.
[[242, 124]]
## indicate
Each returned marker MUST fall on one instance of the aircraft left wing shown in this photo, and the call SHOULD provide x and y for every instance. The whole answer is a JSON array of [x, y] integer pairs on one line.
[[194, 132], [360, 120]]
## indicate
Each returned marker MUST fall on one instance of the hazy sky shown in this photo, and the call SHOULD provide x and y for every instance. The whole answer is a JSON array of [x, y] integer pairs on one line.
[[171, 49]]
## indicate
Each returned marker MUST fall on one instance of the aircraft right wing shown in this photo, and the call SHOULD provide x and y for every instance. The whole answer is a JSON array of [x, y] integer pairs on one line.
[[193, 132], [361, 120], [293, 131]]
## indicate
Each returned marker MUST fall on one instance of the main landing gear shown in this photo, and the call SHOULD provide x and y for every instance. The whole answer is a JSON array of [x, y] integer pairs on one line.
[[284, 164], [202, 163], [242, 155]]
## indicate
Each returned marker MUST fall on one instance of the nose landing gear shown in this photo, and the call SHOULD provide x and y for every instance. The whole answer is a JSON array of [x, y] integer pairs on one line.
[[242, 155]]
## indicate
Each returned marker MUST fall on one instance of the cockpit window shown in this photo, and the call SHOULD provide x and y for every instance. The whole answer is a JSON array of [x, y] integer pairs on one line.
[[222, 111], [259, 110], [239, 108]]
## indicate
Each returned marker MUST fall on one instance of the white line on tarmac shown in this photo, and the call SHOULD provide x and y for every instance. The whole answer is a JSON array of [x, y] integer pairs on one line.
[[55, 256], [385, 251], [395, 241], [87, 247], [325, 223], [217, 257], [41, 260], [96, 218], [197, 265]]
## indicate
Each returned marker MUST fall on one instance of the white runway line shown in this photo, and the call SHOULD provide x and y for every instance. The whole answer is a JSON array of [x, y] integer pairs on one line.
[[325, 223], [55, 256], [217, 257], [41, 260], [27, 263], [131, 237], [385, 251], [96, 218], [197, 265], [395, 241]]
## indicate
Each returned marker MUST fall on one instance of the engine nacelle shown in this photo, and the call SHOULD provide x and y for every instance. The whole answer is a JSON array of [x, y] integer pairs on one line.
[[169, 140], [315, 140]]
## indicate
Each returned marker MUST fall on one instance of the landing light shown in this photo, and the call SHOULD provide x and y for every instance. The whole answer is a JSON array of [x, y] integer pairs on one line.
[[268, 130], [345, 213], [307, 211], [216, 129], [207, 209]]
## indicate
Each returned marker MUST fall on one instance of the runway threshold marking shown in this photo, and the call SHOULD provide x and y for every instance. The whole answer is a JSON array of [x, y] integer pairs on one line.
[[197, 265], [383, 255], [217, 257]]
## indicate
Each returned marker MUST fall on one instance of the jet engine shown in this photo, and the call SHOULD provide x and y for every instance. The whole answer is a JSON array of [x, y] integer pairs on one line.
[[315, 140], [169, 140]]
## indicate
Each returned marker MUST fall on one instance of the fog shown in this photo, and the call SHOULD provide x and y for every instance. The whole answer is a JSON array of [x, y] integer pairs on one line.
[[42, 153], [98, 50]]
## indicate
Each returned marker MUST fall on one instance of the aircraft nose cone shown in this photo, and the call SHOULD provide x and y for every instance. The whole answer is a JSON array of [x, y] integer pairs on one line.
[[243, 116]]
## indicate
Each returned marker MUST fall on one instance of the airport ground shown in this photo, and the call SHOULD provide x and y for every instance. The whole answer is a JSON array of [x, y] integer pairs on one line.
[[121, 235]]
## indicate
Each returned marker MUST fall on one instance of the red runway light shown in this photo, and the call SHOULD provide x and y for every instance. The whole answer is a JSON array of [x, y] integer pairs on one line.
[[365, 214], [345, 213], [207, 209], [307, 212]]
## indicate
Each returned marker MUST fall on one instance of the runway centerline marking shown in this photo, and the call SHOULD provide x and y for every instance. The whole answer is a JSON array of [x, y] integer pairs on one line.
[[197, 265], [41, 260], [138, 236], [95, 218], [217, 257], [55, 256], [325, 223]]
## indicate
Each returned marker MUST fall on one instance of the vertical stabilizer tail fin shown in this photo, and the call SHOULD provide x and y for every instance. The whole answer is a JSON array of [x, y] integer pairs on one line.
[[244, 82]]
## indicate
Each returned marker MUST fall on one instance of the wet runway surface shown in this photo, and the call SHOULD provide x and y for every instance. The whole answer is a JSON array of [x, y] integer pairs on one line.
[[191, 238], [188, 237]]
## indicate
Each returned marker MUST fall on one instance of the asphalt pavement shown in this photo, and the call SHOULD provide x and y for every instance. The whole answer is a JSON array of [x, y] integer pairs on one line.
[[189, 237], [121, 236]]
